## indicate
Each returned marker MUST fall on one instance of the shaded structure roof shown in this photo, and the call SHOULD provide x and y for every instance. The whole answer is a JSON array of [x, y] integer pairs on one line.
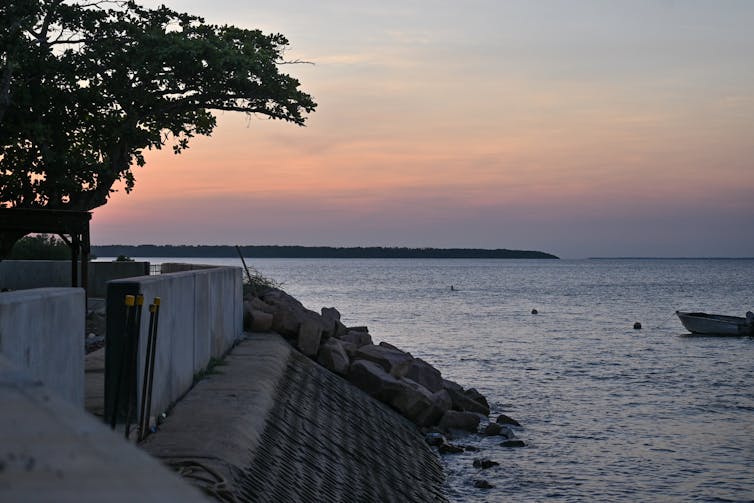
[[72, 226]]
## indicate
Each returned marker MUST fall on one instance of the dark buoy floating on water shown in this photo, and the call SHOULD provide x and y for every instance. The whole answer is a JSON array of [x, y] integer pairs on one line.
[[534, 311], [637, 326]]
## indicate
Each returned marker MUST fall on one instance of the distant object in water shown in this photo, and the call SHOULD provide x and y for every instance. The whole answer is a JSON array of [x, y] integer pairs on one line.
[[717, 324], [637, 326], [534, 311], [452, 289]]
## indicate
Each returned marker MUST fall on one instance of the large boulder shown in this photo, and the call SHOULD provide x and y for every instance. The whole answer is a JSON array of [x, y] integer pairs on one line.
[[412, 400], [372, 379], [279, 299], [477, 397], [358, 329], [440, 402], [350, 348], [286, 323], [394, 361], [357, 338], [493, 429], [330, 313], [309, 336], [333, 356], [418, 404], [425, 374], [260, 305], [503, 419], [389, 346], [448, 384], [260, 321], [331, 320], [461, 401], [459, 420]]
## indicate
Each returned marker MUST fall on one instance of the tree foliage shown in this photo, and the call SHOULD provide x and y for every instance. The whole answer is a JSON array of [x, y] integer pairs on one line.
[[86, 88], [40, 247]]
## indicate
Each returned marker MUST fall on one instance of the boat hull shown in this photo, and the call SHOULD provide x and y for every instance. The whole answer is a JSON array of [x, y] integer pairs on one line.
[[715, 324]]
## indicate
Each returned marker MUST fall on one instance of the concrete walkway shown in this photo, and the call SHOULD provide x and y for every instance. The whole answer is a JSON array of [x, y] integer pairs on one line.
[[272, 425]]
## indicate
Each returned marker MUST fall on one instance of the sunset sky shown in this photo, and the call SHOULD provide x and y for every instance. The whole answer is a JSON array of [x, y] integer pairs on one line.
[[579, 128]]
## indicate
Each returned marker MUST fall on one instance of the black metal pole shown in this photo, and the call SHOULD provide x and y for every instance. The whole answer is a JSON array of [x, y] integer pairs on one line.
[[248, 275], [148, 362], [154, 352], [134, 359]]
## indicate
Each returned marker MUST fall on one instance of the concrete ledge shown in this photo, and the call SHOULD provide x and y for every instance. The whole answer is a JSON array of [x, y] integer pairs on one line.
[[55, 452], [173, 267], [42, 331], [27, 274]]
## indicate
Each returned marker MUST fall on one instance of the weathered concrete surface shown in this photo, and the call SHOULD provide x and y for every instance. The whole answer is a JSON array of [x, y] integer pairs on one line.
[[42, 331], [52, 451], [275, 426], [220, 421]]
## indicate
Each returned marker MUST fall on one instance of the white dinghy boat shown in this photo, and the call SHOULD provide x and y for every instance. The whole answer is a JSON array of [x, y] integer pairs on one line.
[[717, 324]]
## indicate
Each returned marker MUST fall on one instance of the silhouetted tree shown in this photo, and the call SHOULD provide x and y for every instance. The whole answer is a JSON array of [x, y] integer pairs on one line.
[[40, 247], [85, 88]]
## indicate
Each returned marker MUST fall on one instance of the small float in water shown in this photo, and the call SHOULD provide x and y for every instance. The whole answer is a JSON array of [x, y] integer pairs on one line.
[[717, 324]]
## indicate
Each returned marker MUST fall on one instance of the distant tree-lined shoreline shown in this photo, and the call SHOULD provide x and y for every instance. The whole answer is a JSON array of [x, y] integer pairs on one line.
[[222, 251]]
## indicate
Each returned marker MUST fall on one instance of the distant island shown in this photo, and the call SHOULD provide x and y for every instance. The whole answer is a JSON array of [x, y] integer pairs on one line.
[[213, 251]]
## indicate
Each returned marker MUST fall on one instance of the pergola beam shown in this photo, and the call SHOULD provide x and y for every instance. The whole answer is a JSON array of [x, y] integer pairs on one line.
[[74, 224]]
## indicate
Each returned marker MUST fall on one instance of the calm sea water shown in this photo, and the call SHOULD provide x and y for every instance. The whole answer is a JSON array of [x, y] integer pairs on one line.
[[609, 413]]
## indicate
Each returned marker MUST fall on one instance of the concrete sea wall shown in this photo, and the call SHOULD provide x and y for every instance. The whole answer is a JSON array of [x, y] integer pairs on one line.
[[271, 425], [26, 274], [199, 318], [41, 331]]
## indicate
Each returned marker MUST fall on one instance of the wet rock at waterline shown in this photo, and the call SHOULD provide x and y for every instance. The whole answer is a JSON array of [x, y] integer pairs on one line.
[[450, 449], [434, 438], [477, 397], [425, 374], [485, 463], [461, 401], [459, 420], [416, 403], [482, 484], [513, 443], [495, 429], [503, 419]]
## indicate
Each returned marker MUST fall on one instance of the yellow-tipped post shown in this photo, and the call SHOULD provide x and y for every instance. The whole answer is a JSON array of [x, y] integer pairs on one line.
[[130, 300]]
